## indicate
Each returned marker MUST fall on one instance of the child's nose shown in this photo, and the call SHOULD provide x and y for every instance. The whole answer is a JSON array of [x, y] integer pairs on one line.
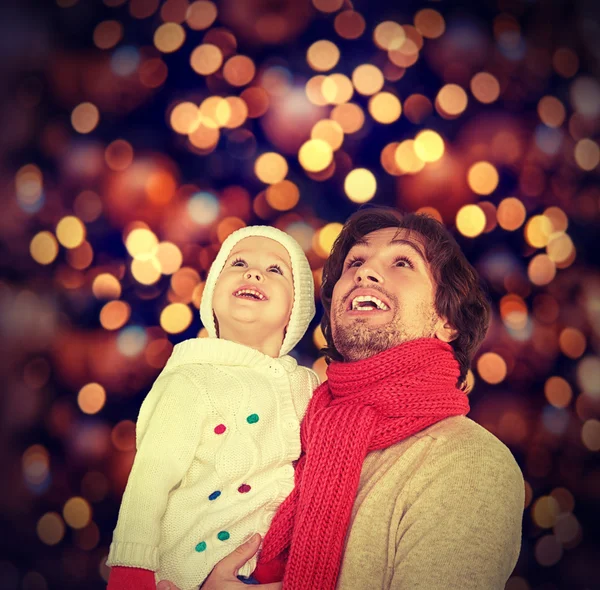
[[254, 274]]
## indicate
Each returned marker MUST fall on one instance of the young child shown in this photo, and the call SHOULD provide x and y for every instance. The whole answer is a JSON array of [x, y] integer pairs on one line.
[[219, 430]]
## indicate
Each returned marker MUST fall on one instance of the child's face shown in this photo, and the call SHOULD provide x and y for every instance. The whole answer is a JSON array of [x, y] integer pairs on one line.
[[255, 287]]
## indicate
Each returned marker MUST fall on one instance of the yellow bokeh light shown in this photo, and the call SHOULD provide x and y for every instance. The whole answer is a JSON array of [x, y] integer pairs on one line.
[[350, 117], [315, 155], [429, 146], [185, 118], [50, 528], [587, 154], [389, 35], [470, 221], [106, 286], [407, 159], [483, 178], [325, 238], [114, 315], [70, 232], [314, 90], [206, 59], [541, 270], [283, 196], [544, 511], [452, 100], [271, 167], [385, 107], [485, 87], [322, 55], [85, 117], [538, 231], [560, 247], [146, 271], [511, 214], [43, 248], [329, 131], [492, 368], [388, 159], [169, 37], [590, 434], [77, 512], [91, 398], [367, 79], [337, 89], [558, 218], [169, 257], [176, 318], [141, 243], [328, 6], [231, 112], [360, 185], [430, 23]]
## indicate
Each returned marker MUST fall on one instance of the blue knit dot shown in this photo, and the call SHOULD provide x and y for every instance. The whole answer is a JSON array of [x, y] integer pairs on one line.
[[252, 419], [200, 547], [223, 536], [214, 495]]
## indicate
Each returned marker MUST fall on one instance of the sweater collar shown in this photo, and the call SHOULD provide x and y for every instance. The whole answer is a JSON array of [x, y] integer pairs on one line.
[[215, 351]]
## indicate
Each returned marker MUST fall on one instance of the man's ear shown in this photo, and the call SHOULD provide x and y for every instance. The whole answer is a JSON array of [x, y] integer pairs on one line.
[[445, 332]]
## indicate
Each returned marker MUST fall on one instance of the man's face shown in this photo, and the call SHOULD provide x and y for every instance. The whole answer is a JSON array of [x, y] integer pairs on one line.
[[384, 296], [255, 287]]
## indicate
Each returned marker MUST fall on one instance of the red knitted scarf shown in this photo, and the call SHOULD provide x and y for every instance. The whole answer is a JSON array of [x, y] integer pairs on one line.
[[365, 405]]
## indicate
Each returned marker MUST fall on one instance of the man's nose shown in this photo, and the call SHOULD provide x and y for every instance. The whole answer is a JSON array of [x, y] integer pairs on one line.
[[367, 274], [254, 274]]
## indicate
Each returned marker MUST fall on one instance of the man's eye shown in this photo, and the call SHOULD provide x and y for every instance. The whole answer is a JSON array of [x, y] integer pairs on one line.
[[403, 262], [275, 268], [354, 262]]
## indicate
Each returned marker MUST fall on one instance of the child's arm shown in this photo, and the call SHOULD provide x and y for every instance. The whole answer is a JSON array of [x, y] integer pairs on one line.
[[170, 419]]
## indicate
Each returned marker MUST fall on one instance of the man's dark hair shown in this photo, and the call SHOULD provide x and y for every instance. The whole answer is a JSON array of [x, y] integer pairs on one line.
[[459, 295]]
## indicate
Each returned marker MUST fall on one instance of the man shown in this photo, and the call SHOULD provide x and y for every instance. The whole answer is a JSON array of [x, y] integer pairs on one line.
[[397, 488]]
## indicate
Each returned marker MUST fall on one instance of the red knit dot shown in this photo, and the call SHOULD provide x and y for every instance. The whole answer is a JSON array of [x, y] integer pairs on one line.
[[244, 488], [220, 429]]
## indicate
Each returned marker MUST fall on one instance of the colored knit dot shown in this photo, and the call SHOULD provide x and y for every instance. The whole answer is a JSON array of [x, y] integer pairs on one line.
[[200, 547], [252, 419], [223, 536], [244, 488], [220, 429], [214, 495]]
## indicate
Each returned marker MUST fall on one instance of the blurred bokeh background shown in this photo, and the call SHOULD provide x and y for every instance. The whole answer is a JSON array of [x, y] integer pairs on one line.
[[136, 135]]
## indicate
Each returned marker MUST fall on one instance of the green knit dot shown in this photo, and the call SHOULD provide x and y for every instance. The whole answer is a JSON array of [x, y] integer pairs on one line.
[[252, 419], [200, 547], [223, 536]]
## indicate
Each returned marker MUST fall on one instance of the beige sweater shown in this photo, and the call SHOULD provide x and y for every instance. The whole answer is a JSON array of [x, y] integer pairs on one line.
[[441, 510]]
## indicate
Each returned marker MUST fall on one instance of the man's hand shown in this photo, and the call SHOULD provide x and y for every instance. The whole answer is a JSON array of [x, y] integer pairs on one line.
[[224, 574]]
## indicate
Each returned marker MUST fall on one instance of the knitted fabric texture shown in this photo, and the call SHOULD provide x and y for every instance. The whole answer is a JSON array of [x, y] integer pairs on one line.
[[365, 405], [303, 309]]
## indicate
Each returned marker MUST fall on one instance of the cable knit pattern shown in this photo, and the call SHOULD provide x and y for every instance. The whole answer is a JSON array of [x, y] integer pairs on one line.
[[365, 405], [216, 438]]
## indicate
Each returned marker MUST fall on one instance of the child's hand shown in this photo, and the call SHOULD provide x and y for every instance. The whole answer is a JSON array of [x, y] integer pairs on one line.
[[224, 574]]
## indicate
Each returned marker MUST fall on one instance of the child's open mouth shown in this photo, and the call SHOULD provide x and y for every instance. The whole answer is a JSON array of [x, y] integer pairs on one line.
[[252, 294]]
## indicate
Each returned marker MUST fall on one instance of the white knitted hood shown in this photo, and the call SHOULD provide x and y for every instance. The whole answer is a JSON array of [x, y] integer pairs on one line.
[[303, 308]]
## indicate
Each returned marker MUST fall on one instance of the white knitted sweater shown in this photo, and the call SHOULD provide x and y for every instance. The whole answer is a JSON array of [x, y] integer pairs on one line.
[[216, 438]]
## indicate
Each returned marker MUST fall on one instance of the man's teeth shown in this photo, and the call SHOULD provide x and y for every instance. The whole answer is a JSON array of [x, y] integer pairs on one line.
[[357, 301], [251, 292]]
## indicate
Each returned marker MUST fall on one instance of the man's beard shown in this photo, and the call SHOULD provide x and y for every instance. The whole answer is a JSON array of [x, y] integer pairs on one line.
[[360, 340]]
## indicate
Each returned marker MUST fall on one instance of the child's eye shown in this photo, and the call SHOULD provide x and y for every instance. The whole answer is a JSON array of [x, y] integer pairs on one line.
[[403, 262], [275, 268], [238, 262]]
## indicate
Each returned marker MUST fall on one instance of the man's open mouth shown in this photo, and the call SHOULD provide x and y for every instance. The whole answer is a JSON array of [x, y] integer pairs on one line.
[[252, 294], [367, 303]]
